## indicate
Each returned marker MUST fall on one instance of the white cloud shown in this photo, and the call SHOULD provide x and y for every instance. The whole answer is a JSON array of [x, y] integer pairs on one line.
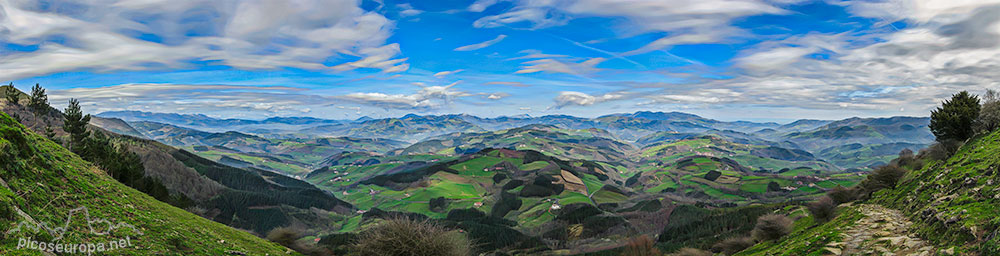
[[568, 98], [487, 43], [407, 10], [447, 73], [102, 35], [481, 5], [772, 59], [497, 95], [378, 58], [425, 98], [561, 66]]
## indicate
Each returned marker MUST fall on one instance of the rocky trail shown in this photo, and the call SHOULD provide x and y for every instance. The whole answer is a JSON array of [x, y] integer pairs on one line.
[[882, 231]]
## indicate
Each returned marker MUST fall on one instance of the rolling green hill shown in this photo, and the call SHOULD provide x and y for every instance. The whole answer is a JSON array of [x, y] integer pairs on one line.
[[590, 144], [42, 182], [293, 156], [713, 169]]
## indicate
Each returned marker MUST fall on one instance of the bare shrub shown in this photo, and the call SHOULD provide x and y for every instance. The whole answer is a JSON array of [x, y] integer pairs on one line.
[[840, 194], [641, 246], [989, 113], [823, 210], [907, 159], [772, 227], [404, 236], [940, 150], [733, 245]]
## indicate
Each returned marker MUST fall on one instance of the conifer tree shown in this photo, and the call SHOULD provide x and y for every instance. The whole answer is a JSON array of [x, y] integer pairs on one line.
[[954, 119], [12, 94], [75, 124], [38, 101]]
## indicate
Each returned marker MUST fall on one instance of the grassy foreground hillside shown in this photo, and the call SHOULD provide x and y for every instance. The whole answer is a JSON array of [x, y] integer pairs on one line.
[[945, 206], [42, 182], [956, 201]]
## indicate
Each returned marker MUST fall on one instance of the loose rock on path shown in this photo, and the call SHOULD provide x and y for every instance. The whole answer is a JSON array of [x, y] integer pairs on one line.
[[882, 231]]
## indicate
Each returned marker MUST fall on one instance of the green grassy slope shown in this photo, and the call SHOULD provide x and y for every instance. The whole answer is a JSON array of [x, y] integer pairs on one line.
[[955, 202], [43, 182], [713, 169]]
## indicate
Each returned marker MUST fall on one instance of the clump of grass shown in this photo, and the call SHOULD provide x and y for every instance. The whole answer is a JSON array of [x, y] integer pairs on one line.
[[641, 246], [772, 227], [733, 245], [408, 237]]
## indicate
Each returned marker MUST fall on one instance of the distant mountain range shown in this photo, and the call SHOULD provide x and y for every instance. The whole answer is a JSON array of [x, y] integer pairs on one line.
[[628, 126], [833, 140]]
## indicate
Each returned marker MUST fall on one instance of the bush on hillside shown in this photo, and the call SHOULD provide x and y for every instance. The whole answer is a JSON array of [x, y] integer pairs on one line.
[[840, 195], [823, 210], [732, 245], [907, 159], [404, 236], [954, 119], [772, 227], [882, 178], [691, 252], [989, 113], [641, 246]]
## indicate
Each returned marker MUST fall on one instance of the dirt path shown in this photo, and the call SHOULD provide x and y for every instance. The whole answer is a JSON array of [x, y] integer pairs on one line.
[[882, 231]]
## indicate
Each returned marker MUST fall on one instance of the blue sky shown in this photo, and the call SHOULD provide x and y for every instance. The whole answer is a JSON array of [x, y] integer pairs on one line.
[[767, 60]]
